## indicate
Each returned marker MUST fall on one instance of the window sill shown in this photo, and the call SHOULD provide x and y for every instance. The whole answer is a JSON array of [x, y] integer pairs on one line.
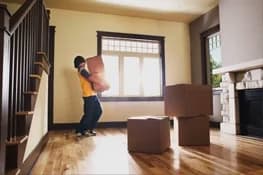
[[217, 91]]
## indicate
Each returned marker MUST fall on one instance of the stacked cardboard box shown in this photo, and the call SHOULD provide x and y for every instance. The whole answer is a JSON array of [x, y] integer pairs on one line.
[[191, 106]]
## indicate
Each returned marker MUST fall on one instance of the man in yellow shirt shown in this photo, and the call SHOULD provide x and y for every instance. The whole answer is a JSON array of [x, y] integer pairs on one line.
[[92, 108]]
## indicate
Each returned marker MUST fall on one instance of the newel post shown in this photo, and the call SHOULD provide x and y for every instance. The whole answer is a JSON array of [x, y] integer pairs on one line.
[[4, 80]]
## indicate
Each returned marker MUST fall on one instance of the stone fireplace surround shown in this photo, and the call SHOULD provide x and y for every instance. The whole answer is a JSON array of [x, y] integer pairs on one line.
[[247, 75]]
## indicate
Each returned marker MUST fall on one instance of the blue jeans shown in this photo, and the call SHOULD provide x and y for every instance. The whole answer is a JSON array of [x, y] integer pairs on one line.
[[92, 113]]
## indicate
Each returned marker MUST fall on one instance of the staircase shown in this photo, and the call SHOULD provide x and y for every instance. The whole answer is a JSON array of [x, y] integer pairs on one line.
[[24, 38]]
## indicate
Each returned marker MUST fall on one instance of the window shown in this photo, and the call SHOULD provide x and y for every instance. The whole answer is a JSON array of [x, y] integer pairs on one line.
[[211, 56], [215, 59], [134, 66]]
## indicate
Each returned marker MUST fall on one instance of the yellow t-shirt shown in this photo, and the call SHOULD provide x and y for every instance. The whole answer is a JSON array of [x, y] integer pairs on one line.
[[86, 87]]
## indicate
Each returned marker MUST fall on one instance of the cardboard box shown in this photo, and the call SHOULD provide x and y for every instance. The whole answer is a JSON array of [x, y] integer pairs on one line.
[[148, 134], [95, 64], [188, 100], [192, 130], [96, 68]]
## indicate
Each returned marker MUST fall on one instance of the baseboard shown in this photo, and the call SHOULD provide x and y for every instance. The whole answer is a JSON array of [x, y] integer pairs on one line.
[[70, 126], [112, 124], [63, 126], [32, 158], [214, 124]]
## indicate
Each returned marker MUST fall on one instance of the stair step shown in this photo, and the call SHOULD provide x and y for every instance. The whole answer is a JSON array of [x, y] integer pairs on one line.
[[44, 57], [35, 76], [44, 60], [39, 67], [31, 92], [22, 113], [14, 172], [39, 63], [34, 82], [30, 100], [17, 140], [42, 54], [23, 125], [15, 150]]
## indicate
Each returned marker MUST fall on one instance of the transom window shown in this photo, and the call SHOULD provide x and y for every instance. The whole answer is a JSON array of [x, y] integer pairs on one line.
[[133, 66], [129, 45]]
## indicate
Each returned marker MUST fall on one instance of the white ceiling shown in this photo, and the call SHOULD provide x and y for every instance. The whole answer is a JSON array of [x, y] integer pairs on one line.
[[176, 10]]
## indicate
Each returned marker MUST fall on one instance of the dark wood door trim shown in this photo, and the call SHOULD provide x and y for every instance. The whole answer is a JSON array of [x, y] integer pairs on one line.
[[51, 76]]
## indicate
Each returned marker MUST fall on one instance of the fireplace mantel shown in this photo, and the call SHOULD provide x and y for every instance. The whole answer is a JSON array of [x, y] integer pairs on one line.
[[245, 66]]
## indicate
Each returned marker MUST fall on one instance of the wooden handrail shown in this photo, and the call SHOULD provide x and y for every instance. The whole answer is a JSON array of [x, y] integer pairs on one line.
[[20, 14]]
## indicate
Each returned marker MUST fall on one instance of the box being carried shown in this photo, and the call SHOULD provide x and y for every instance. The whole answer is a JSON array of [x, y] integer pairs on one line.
[[96, 69]]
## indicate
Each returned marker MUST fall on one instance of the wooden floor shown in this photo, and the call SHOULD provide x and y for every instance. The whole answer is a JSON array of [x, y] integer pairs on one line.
[[107, 153]]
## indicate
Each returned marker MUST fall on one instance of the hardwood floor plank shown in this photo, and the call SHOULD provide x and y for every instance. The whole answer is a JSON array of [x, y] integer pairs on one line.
[[107, 153]]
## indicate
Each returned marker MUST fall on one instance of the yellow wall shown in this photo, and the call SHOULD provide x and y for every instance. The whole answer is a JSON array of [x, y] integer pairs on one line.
[[12, 7], [76, 35]]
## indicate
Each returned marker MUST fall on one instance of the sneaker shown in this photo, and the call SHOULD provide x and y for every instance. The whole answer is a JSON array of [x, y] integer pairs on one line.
[[78, 134], [92, 132], [86, 133]]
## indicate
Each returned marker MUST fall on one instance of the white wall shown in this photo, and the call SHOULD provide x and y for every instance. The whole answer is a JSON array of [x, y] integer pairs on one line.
[[38, 127], [76, 35], [241, 25]]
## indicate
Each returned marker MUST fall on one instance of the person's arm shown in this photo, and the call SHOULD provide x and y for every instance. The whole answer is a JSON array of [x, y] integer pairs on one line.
[[84, 73]]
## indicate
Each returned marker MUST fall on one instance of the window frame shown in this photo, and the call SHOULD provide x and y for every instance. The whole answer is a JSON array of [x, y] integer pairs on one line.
[[204, 66], [160, 39]]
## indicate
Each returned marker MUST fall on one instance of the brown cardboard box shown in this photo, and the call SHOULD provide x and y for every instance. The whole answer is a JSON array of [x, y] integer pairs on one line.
[[190, 105], [95, 64], [148, 134], [192, 131], [188, 100], [96, 68]]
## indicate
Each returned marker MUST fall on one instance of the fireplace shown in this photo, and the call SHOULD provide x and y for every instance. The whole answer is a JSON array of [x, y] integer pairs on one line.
[[242, 98], [251, 112]]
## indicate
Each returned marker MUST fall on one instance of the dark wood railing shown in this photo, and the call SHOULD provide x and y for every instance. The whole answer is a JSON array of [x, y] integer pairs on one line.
[[29, 35], [22, 37]]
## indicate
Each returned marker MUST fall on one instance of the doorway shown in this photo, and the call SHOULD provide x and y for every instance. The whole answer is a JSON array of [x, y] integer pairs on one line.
[[212, 59]]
